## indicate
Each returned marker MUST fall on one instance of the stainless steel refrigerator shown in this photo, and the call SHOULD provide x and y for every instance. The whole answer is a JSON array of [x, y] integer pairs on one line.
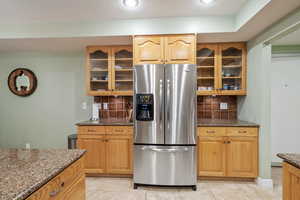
[[165, 125]]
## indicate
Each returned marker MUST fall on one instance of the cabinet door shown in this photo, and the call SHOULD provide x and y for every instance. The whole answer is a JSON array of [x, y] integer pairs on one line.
[[119, 154], [291, 182], [180, 49], [76, 191], [148, 49], [122, 70], [95, 157], [207, 69], [98, 71], [242, 157], [232, 71], [211, 156]]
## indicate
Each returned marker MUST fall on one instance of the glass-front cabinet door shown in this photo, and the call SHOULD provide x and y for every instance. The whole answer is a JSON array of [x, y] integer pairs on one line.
[[98, 70], [233, 68], [122, 70], [207, 71]]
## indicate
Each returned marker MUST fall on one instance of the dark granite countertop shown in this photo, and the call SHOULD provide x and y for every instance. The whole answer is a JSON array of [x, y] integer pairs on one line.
[[205, 122], [23, 172], [237, 123], [104, 123], [291, 158]]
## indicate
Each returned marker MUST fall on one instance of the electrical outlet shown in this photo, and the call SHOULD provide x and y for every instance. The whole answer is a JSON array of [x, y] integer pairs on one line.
[[105, 106], [223, 106], [84, 105], [27, 146]]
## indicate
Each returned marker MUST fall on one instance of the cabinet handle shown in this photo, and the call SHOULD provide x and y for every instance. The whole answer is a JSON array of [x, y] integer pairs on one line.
[[210, 131], [228, 142], [242, 131], [54, 193], [118, 130], [90, 130]]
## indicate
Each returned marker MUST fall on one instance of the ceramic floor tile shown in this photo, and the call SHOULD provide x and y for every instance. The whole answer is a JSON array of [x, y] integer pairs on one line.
[[99, 188], [103, 195]]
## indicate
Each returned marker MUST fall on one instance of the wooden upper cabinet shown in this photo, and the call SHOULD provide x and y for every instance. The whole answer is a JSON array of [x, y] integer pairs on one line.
[[98, 70], [164, 49], [207, 69], [242, 156], [109, 70], [122, 70], [222, 69], [180, 49], [211, 156], [232, 71], [148, 49]]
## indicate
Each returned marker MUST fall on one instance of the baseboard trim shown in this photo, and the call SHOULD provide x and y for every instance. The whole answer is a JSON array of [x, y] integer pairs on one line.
[[264, 183], [276, 164]]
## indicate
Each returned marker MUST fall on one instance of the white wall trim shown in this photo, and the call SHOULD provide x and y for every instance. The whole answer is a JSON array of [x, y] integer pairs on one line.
[[264, 183]]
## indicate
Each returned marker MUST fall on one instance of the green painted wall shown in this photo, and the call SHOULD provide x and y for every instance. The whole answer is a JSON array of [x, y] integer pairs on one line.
[[256, 106], [45, 118]]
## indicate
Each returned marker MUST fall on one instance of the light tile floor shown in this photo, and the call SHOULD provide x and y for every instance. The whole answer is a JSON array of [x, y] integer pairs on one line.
[[122, 189]]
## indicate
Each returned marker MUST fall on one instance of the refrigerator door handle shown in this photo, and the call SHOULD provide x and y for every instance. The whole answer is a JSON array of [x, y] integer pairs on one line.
[[161, 100], [167, 120], [165, 150]]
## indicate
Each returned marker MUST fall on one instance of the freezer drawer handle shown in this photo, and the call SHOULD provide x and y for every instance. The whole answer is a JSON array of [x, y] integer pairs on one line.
[[165, 150]]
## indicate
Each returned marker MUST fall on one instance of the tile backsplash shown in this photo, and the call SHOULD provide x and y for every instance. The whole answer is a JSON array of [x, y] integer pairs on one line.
[[118, 107], [208, 107]]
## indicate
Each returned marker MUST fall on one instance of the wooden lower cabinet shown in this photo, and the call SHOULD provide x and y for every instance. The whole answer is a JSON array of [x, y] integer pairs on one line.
[[96, 152], [119, 154], [291, 182], [242, 157], [211, 156], [221, 155], [108, 153], [68, 185]]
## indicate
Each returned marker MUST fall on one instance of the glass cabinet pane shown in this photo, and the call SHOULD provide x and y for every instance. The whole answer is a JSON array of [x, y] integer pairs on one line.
[[232, 68], [206, 70], [99, 66], [123, 67]]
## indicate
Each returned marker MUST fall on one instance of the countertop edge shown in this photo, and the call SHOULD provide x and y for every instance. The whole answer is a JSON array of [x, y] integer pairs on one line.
[[290, 161], [45, 181]]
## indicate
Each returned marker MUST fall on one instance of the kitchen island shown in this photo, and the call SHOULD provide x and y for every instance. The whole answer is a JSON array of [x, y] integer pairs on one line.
[[41, 174], [291, 176]]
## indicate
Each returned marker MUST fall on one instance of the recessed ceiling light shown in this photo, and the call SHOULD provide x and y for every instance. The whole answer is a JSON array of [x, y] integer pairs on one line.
[[131, 3], [207, 2]]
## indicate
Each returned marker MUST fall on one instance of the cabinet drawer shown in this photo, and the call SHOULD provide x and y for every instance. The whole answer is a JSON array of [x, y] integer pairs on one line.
[[71, 174], [127, 130], [241, 131], [91, 130], [211, 131], [59, 184]]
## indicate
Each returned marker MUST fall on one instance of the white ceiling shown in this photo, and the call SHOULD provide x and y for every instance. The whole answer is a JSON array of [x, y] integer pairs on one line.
[[33, 11], [291, 39]]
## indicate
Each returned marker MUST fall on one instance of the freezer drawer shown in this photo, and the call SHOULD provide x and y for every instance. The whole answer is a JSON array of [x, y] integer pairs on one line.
[[165, 165]]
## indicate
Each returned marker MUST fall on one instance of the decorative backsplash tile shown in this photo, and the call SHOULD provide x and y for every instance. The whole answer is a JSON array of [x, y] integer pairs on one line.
[[208, 107], [118, 107]]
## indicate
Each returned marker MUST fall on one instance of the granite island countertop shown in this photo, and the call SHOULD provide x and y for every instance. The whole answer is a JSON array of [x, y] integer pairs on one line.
[[22, 171], [291, 158], [204, 122]]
